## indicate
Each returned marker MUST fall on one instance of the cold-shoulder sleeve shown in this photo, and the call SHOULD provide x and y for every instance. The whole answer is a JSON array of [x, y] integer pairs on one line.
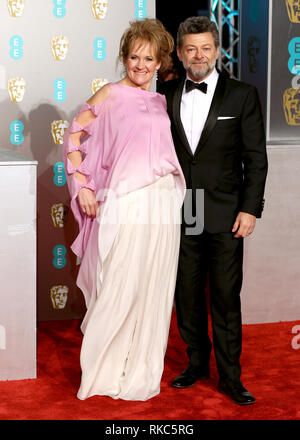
[[91, 152]]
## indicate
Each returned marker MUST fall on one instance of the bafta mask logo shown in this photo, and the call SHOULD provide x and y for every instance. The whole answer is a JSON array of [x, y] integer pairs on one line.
[[99, 8], [293, 8], [58, 129], [15, 7], [16, 89], [253, 50], [291, 106], [97, 83], [59, 47], [59, 296], [59, 214]]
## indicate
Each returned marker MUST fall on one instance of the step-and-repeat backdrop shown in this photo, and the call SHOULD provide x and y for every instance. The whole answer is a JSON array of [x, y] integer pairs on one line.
[[270, 59], [54, 55], [283, 122]]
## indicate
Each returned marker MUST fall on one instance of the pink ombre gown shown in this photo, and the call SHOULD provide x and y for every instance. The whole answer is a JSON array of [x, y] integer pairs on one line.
[[130, 251]]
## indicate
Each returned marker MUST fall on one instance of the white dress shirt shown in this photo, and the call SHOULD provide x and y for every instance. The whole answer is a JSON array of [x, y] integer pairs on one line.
[[194, 109]]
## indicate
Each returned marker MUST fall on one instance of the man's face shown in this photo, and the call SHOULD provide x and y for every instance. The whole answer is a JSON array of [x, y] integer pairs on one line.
[[198, 55]]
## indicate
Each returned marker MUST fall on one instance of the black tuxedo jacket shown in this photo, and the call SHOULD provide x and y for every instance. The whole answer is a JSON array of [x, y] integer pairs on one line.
[[230, 162]]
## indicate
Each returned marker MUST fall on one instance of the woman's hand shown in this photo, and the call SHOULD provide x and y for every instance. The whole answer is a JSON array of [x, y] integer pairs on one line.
[[87, 202]]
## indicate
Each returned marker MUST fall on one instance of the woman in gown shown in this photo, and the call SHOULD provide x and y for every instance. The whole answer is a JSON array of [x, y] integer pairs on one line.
[[126, 188]]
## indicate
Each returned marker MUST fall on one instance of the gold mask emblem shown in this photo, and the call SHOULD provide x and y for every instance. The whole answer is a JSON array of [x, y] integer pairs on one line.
[[58, 129], [291, 106], [58, 214], [293, 8], [99, 8], [15, 7], [16, 89], [59, 296], [59, 47], [97, 83]]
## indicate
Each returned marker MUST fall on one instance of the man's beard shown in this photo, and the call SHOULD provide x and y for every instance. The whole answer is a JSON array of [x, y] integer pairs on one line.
[[200, 74]]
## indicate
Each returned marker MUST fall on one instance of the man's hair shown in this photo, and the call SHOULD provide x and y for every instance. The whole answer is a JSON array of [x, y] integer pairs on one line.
[[197, 25]]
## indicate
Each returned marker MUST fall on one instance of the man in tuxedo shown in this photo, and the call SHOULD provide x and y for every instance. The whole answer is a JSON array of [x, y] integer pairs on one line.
[[219, 137]]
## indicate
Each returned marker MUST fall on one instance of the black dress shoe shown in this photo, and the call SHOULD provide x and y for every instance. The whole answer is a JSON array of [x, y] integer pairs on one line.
[[237, 392], [189, 377]]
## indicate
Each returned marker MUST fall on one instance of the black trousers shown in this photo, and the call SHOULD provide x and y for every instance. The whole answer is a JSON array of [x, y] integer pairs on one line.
[[219, 258]]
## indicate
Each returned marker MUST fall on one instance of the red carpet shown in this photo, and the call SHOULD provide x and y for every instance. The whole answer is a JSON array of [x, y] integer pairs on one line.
[[270, 365]]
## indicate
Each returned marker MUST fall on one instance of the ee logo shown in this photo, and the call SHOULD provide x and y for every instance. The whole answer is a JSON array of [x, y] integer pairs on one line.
[[140, 9], [59, 178], [59, 10], [16, 128], [294, 60], [60, 90], [16, 47], [99, 49], [254, 10], [59, 252]]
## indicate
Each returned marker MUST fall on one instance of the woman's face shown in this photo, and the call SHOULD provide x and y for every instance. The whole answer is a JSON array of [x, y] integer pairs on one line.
[[141, 64]]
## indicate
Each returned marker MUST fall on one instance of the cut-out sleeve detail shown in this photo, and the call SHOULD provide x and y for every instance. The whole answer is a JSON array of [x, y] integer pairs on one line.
[[74, 127], [82, 168], [86, 167], [84, 108], [95, 109], [95, 112], [70, 146]]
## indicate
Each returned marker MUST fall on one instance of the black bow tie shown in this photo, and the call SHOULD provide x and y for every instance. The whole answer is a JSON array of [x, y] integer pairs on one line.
[[191, 85]]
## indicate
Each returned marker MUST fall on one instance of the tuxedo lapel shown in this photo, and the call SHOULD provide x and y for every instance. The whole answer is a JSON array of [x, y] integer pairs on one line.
[[213, 112], [176, 116]]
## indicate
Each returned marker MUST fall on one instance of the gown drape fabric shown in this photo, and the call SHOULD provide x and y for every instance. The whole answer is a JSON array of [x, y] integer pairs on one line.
[[129, 261], [125, 339]]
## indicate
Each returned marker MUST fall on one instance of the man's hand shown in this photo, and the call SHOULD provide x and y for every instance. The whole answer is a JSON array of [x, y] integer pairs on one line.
[[244, 224], [87, 201]]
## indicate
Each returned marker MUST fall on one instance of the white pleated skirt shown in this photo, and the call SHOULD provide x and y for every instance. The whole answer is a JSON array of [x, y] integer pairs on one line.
[[126, 334]]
